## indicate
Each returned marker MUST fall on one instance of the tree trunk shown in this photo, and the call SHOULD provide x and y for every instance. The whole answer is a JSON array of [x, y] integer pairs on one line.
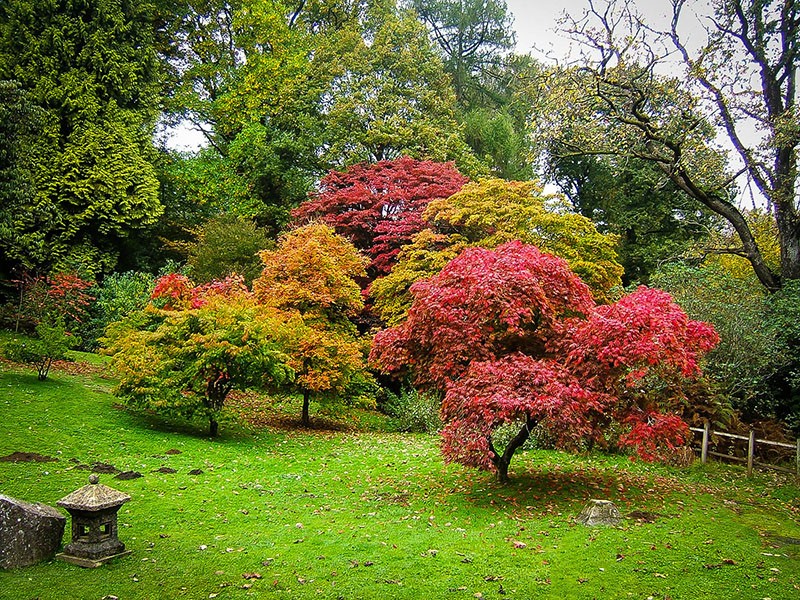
[[789, 236], [501, 462], [305, 420], [213, 427]]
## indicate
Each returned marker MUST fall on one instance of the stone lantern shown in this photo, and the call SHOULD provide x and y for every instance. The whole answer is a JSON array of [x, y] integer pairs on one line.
[[93, 509]]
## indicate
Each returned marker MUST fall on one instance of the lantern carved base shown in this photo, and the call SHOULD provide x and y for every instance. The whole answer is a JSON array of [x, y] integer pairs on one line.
[[88, 562]]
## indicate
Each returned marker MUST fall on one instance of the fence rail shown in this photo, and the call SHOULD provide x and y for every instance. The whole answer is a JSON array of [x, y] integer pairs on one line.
[[751, 449]]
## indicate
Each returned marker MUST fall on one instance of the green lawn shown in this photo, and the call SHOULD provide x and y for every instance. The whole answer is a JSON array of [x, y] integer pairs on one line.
[[362, 513]]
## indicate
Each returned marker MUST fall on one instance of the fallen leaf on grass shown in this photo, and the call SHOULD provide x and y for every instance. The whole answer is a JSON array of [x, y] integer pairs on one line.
[[520, 545], [493, 578], [251, 575]]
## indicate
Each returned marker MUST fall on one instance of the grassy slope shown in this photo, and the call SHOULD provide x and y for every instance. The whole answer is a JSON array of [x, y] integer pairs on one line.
[[376, 515]]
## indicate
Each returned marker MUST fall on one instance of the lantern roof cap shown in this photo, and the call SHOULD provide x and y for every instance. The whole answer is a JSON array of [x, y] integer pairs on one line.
[[94, 497]]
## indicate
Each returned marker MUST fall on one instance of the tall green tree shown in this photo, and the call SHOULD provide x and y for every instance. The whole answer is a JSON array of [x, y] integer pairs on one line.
[[21, 120], [90, 67], [472, 35], [285, 91], [475, 39], [241, 74], [653, 219], [388, 96]]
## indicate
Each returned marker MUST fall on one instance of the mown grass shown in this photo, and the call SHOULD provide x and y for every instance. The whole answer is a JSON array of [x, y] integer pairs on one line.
[[360, 513]]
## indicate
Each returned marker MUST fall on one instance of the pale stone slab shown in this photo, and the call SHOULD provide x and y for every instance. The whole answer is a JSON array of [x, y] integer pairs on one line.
[[599, 512]]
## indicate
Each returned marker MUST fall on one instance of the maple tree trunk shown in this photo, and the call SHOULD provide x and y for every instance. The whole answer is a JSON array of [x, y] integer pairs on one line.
[[217, 390], [501, 462], [213, 427], [305, 420]]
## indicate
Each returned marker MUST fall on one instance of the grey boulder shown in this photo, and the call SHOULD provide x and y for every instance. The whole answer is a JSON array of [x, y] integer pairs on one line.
[[29, 533]]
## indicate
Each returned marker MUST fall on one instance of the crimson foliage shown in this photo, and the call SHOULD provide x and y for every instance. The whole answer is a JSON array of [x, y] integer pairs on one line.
[[513, 336], [379, 206], [65, 295]]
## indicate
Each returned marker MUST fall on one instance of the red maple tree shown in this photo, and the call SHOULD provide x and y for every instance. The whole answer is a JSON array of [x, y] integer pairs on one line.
[[379, 206], [511, 335], [176, 291]]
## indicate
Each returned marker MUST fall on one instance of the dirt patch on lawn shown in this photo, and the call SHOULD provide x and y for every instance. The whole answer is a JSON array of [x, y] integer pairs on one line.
[[99, 467], [256, 412], [644, 516], [27, 457], [78, 367]]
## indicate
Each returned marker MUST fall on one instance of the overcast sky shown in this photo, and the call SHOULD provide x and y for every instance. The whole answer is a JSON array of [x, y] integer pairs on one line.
[[535, 21]]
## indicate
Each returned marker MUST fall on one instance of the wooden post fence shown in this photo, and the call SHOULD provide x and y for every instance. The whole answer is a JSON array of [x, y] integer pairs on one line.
[[704, 451], [752, 442]]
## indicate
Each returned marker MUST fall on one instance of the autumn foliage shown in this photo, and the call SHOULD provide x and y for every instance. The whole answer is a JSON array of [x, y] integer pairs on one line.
[[312, 270], [489, 213], [513, 336], [65, 295], [379, 206], [311, 278], [185, 352]]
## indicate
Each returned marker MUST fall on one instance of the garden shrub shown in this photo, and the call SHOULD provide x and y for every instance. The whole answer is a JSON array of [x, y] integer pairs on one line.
[[415, 411], [52, 342], [119, 295]]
